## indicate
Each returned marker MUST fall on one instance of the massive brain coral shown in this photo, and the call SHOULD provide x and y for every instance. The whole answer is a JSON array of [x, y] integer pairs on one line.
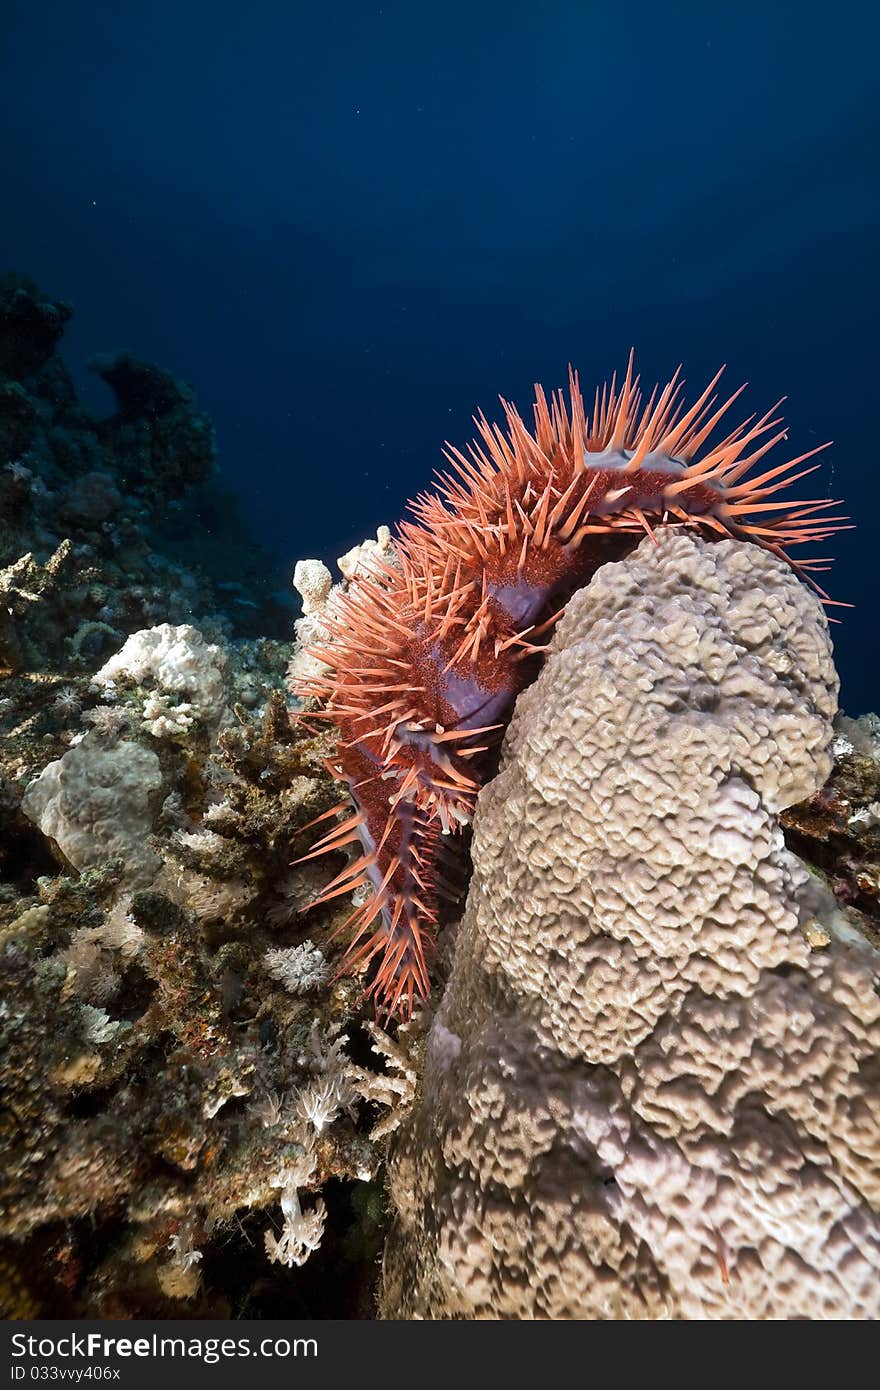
[[645, 1096]]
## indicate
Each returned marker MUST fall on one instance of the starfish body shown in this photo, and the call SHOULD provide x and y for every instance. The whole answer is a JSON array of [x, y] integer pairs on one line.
[[425, 656]]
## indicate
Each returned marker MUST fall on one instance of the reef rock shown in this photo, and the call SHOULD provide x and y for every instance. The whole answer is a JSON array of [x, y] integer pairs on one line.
[[30, 326], [158, 430], [645, 1095]]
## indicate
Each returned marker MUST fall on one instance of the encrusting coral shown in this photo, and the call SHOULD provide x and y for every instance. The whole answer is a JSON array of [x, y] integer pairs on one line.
[[646, 1095]]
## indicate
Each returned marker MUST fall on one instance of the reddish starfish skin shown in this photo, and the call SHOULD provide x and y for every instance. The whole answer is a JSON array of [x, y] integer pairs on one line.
[[426, 656]]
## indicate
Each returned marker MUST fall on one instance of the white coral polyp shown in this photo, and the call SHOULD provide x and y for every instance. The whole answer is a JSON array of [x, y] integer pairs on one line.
[[164, 719], [302, 1230], [320, 1103], [301, 1233], [299, 968]]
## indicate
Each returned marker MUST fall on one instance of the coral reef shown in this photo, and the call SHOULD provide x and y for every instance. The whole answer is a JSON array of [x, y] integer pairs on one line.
[[159, 435], [838, 829], [91, 507], [197, 1110], [31, 326], [173, 1051], [651, 1088], [170, 1044]]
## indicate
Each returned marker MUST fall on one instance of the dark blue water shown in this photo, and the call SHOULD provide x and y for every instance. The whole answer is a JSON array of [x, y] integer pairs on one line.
[[350, 227]]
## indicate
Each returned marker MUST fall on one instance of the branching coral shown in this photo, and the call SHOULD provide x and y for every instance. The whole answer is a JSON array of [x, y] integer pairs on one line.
[[187, 673]]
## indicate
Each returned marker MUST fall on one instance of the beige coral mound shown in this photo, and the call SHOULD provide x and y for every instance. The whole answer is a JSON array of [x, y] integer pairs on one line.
[[97, 802], [645, 1096]]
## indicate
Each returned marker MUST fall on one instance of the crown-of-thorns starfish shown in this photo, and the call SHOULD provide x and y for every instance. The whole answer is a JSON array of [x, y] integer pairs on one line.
[[426, 653]]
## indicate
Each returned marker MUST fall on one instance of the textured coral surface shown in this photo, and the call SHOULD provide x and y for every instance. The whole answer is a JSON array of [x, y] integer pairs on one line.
[[646, 1096]]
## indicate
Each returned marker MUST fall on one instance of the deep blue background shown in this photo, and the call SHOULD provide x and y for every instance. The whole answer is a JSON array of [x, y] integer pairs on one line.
[[350, 227]]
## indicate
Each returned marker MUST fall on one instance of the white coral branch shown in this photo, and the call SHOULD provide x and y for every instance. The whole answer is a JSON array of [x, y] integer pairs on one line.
[[395, 1088]]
